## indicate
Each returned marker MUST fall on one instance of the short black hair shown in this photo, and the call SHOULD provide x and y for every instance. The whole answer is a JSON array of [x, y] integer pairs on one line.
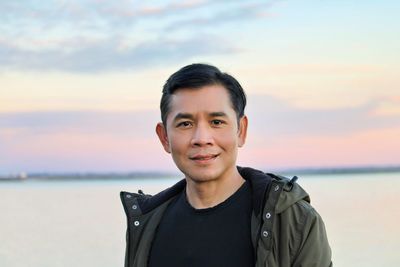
[[196, 76]]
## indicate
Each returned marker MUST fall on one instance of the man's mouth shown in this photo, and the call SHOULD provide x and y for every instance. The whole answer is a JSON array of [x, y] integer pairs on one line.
[[204, 157]]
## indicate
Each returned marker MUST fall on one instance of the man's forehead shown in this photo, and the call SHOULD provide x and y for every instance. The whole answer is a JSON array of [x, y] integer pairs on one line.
[[206, 94], [187, 103]]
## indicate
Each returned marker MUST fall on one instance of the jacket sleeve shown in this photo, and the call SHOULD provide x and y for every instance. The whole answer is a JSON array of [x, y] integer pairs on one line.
[[314, 249]]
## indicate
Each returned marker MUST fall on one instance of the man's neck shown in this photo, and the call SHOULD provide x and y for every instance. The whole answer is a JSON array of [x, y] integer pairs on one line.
[[211, 193]]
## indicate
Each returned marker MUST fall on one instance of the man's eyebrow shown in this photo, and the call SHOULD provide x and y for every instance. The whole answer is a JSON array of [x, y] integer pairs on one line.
[[183, 116], [218, 114], [191, 117]]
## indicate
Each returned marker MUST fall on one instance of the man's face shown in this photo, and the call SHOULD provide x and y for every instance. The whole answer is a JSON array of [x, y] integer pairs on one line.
[[202, 133]]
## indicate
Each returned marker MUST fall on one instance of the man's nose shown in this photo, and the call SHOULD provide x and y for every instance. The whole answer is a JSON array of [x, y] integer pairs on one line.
[[202, 136]]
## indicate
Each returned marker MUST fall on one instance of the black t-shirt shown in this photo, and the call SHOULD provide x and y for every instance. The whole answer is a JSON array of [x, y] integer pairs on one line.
[[212, 237]]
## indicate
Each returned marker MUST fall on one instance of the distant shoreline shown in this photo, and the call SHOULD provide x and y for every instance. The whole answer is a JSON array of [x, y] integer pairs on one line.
[[144, 175], [349, 170]]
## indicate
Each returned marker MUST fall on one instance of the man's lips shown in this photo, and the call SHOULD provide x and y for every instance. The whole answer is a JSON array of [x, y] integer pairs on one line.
[[203, 157]]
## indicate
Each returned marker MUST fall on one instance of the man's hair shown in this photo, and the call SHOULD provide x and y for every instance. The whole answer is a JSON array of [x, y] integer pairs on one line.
[[195, 76]]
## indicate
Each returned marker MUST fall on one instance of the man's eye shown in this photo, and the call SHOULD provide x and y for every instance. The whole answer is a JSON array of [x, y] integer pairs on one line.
[[184, 124], [217, 122]]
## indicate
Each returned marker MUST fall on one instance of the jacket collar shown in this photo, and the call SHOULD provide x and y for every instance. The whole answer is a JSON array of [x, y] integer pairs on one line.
[[258, 180]]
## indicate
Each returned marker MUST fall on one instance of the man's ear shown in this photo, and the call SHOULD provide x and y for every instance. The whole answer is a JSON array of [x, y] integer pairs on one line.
[[242, 131], [162, 135]]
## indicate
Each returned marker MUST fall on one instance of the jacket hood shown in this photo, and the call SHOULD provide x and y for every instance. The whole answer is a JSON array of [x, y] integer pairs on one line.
[[291, 193]]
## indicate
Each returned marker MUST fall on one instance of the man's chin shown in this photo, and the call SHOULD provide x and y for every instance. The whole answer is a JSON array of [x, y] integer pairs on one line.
[[202, 177]]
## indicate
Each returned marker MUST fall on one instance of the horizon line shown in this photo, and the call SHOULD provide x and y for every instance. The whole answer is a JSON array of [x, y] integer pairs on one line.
[[158, 174]]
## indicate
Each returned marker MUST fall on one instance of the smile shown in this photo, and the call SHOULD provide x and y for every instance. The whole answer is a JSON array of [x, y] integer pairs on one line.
[[204, 158]]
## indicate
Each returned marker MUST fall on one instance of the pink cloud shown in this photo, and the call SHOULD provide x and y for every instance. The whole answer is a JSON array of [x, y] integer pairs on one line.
[[84, 152], [387, 107], [369, 147]]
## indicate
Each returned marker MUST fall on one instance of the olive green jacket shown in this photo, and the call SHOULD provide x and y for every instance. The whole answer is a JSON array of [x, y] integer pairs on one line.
[[286, 230]]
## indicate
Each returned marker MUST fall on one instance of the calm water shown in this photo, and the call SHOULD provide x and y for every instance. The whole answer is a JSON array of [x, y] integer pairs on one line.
[[79, 223]]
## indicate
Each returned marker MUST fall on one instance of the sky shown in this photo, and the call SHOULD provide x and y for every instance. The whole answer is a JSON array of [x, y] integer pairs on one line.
[[80, 81]]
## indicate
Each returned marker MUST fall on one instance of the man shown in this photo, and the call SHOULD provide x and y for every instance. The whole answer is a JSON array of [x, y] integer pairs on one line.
[[220, 214]]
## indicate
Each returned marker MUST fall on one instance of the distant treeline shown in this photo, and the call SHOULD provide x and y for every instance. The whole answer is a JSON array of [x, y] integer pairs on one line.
[[144, 175], [87, 176], [348, 170]]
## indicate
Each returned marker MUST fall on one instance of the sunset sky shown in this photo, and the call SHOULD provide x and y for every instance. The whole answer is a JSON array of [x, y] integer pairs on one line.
[[80, 81]]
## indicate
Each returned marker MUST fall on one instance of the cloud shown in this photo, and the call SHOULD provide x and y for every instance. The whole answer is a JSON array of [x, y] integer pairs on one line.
[[138, 124], [281, 119], [129, 10], [91, 36], [388, 107], [95, 17], [111, 55], [241, 14]]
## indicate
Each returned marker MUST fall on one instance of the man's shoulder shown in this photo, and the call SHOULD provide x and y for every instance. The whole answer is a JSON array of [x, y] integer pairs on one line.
[[300, 225], [274, 190]]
